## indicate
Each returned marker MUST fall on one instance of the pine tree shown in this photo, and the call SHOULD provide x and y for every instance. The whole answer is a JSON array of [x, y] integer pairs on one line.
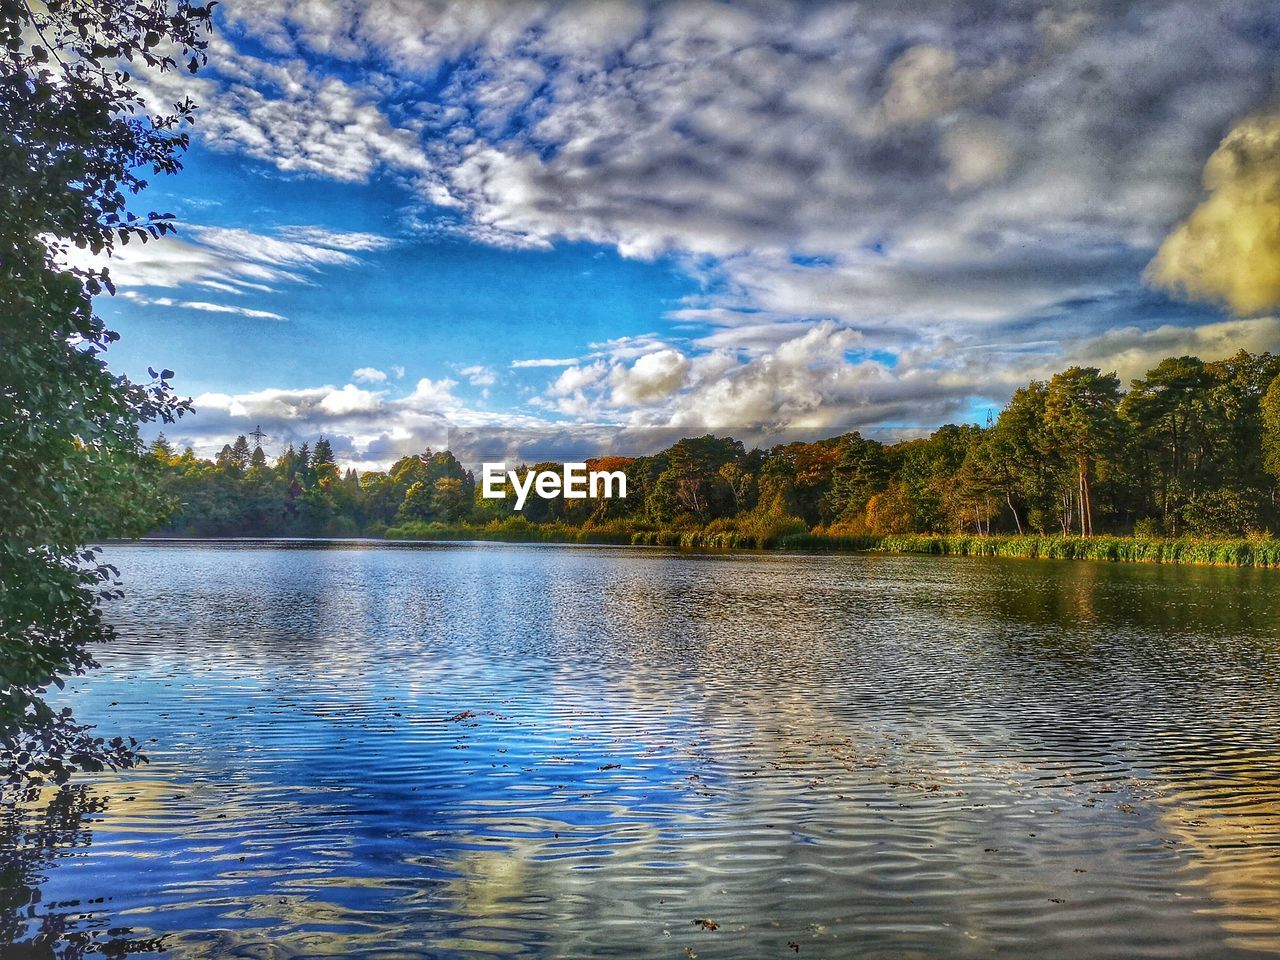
[[161, 450], [240, 452], [323, 454]]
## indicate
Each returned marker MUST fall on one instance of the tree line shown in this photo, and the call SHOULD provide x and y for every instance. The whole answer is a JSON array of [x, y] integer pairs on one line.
[[1191, 448]]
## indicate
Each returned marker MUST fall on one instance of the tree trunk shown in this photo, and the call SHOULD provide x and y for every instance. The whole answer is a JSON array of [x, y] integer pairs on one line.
[[1081, 501], [1088, 503], [1017, 521]]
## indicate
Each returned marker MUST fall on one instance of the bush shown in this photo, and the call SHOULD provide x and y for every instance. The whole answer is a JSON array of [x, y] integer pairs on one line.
[[1218, 512], [1148, 527]]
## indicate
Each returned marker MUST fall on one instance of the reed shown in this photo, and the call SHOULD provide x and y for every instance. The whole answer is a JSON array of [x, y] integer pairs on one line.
[[781, 533], [1252, 552]]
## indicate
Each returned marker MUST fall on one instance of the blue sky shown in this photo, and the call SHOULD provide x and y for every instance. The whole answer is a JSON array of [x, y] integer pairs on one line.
[[568, 228], [430, 304]]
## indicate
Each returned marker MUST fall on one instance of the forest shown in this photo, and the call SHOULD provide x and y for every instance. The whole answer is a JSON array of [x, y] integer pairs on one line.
[[1192, 449]]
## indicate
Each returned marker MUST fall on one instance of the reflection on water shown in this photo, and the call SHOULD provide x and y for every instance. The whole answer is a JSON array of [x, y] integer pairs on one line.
[[38, 827], [474, 751]]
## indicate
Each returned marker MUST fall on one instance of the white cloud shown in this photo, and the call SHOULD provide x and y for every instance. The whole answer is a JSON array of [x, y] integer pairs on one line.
[[575, 378], [654, 376], [433, 396], [283, 112], [978, 151], [336, 239], [201, 305], [233, 260], [350, 399], [479, 375], [964, 195], [369, 375], [1228, 250], [542, 362], [1131, 352]]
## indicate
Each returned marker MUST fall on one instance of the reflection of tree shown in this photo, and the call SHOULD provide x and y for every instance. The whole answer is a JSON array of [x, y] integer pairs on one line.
[[36, 828]]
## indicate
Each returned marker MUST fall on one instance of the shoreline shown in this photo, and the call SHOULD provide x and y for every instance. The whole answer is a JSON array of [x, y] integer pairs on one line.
[[1262, 553]]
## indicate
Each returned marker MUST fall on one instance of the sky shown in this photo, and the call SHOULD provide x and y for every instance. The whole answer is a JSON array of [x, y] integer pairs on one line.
[[553, 230]]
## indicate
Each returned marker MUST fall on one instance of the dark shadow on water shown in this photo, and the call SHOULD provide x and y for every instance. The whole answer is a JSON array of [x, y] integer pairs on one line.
[[38, 827]]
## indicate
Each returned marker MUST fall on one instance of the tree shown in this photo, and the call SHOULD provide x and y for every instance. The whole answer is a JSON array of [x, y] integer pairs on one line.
[[240, 453], [861, 470], [75, 143], [1021, 457], [1271, 430], [693, 477], [322, 456], [1080, 415], [740, 483], [161, 450], [302, 466], [1167, 411], [1234, 415]]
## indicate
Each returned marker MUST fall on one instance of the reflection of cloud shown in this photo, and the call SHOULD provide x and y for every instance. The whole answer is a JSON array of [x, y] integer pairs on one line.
[[1225, 841], [1228, 250]]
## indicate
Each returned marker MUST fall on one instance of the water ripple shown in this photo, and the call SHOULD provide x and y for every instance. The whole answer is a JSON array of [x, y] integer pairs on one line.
[[494, 751]]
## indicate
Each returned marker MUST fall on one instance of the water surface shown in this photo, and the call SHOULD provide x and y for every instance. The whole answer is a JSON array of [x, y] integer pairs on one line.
[[541, 751]]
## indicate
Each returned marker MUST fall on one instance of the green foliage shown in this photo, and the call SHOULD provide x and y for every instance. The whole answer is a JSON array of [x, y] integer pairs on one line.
[[1270, 423], [1082, 423], [1183, 452], [74, 145], [1225, 512], [1148, 527]]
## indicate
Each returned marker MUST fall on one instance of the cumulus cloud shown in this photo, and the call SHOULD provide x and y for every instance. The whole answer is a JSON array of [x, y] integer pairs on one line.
[[370, 429], [1228, 250], [369, 375], [654, 376], [1130, 351], [816, 376], [350, 399], [890, 210]]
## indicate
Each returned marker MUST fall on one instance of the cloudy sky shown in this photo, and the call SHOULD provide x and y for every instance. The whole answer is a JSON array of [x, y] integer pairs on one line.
[[547, 229]]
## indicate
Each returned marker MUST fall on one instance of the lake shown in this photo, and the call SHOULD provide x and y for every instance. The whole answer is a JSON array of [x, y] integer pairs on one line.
[[488, 750]]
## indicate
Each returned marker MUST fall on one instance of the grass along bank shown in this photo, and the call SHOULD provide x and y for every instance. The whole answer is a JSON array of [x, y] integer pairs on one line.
[[1255, 552], [741, 533], [783, 534]]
